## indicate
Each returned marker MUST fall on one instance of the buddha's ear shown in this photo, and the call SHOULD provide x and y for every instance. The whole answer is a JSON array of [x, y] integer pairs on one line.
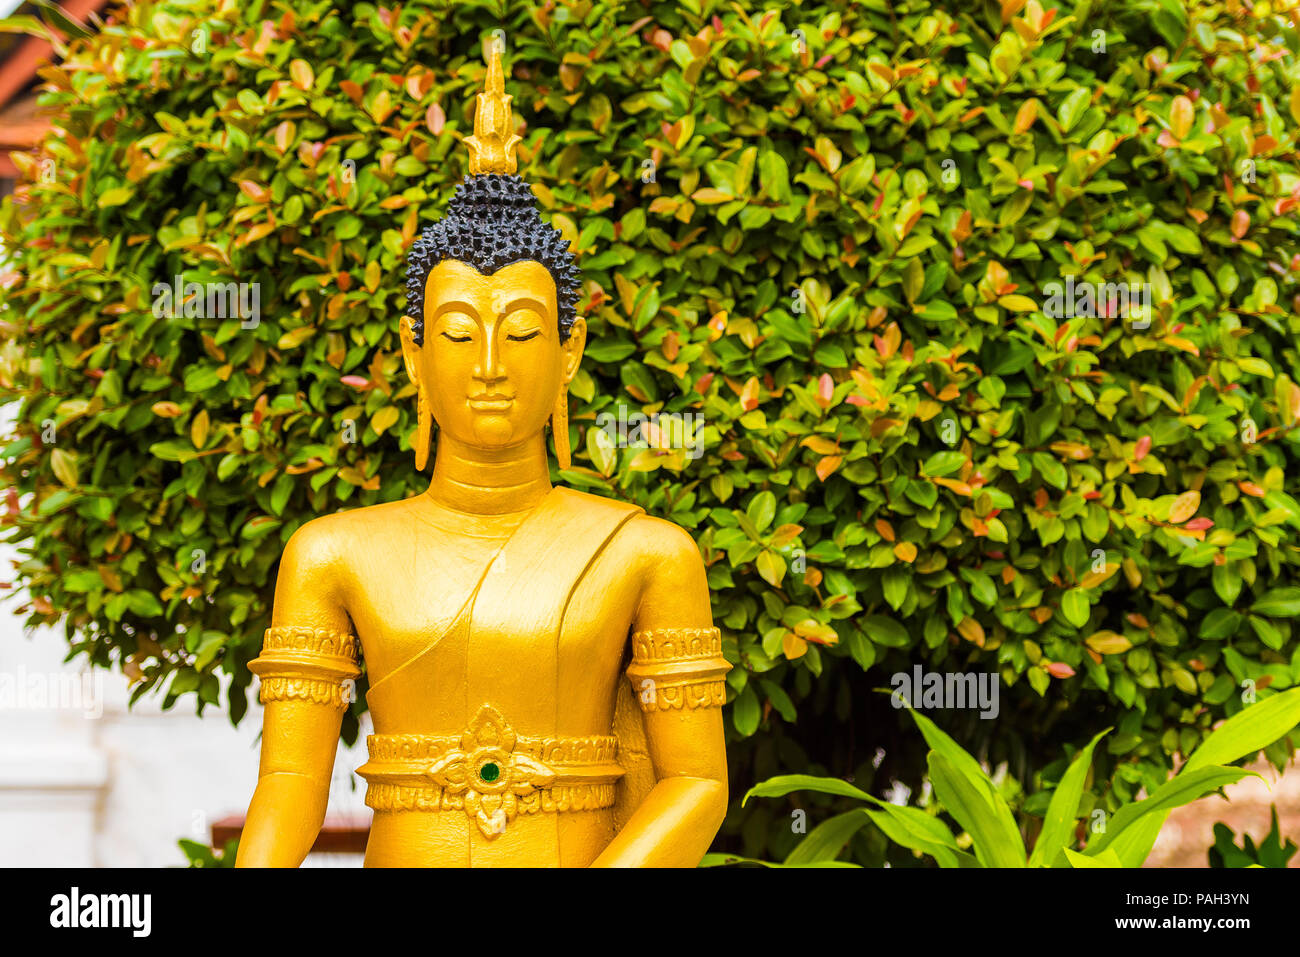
[[410, 351], [573, 346]]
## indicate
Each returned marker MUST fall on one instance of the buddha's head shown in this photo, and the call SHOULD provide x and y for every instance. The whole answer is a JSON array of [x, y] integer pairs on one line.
[[491, 338]]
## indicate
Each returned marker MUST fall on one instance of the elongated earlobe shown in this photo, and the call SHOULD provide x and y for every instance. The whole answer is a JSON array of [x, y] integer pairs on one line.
[[423, 430], [423, 435], [560, 427]]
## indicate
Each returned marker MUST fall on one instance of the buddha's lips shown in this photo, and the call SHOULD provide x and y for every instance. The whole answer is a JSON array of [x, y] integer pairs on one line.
[[491, 403]]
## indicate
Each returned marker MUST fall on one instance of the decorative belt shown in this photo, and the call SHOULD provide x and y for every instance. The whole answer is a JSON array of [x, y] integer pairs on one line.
[[490, 773]]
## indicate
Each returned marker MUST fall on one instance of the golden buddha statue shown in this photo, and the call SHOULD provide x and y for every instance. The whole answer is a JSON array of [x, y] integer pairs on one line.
[[496, 614]]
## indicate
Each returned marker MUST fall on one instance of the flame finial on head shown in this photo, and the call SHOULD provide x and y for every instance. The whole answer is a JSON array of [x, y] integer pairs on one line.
[[492, 147]]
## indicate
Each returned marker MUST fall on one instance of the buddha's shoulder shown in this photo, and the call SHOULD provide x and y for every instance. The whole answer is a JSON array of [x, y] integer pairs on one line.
[[331, 539], [642, 538]]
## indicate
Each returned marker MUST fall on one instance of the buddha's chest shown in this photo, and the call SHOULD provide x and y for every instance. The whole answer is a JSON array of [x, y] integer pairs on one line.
[[459, 623]]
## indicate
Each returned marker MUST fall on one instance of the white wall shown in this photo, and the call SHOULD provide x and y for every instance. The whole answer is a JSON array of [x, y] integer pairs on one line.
[[85, 781]]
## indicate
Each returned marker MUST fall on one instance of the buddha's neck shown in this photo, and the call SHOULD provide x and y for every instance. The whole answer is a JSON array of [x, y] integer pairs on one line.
[[490, 482]]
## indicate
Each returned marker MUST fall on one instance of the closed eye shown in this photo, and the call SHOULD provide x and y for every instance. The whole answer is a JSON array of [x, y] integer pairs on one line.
[[524, 338], [447, 335]]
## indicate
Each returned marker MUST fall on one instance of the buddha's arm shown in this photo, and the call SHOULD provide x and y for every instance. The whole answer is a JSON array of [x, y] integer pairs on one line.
[[307, 668], [677, 676]]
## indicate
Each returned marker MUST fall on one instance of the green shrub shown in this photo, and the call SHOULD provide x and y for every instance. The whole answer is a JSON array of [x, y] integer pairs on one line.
[[965, 792], [828, 229]]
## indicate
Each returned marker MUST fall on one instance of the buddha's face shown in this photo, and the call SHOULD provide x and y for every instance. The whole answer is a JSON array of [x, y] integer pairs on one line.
[[492, 364]]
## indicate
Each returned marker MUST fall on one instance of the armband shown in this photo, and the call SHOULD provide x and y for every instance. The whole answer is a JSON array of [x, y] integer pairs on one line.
[[307, 664], [678, 668]]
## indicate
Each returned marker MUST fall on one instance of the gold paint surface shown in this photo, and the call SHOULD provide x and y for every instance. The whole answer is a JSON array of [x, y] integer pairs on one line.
[[492, 147]]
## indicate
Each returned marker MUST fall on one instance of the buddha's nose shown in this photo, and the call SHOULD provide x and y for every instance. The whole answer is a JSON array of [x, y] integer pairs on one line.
[[487, 369]]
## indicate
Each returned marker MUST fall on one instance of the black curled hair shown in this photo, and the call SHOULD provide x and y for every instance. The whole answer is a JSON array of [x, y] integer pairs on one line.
[[492, 222]]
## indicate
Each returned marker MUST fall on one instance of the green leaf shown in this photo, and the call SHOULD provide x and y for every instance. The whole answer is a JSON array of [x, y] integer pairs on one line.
[[1278, 603], [970, 770], [936, 310], [995, 844], [115, 196], [1176, 9], [1072, 107], [771, 567], [895, 584], [884, 630], [1219, 624], [143, 603], [827, 839], [746, 712], [1107, 858], [762, 509], [912, 828], [1248, 731], [1183, 788], [943, 463], [1267, 632], [774, 175], [787, 783], [982, 588], [1075, 607], [201, 378], [1063, 811], [1052, 471]]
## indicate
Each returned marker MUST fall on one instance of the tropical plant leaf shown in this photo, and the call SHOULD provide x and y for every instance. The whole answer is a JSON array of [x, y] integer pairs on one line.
[[825, 841], [1106, 858], [787, 783], [1128, 831], [913, 828], [966, 799], [1246, 732], [1058, 825], [970, 769]]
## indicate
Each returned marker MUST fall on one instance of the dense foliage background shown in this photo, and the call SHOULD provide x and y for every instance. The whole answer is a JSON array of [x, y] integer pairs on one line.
[[825, 228]]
